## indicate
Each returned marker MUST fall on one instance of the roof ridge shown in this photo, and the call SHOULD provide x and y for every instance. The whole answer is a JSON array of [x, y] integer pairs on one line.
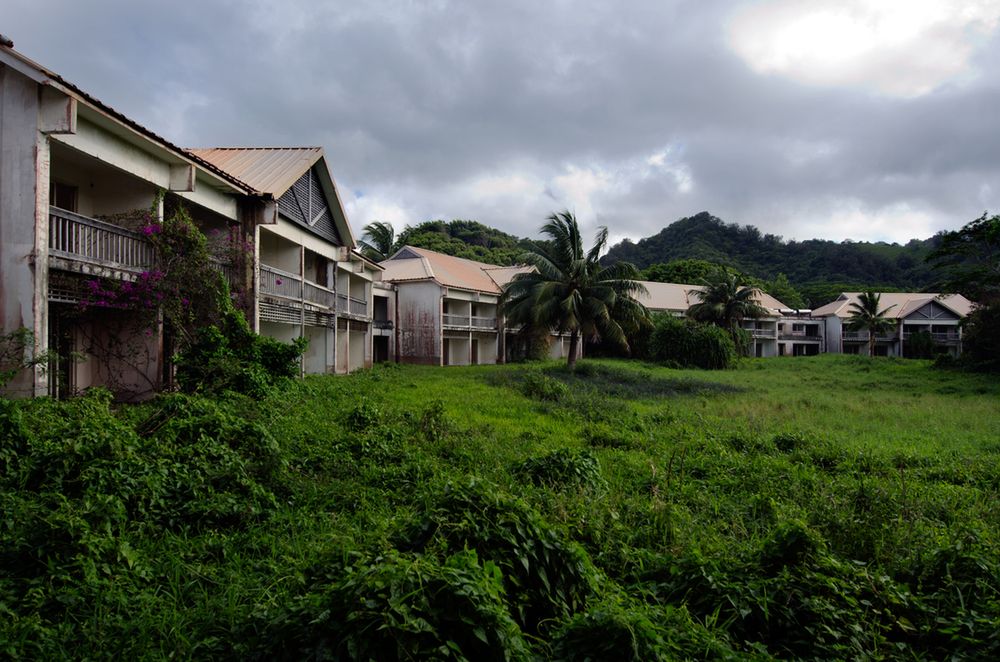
[[262, 149]]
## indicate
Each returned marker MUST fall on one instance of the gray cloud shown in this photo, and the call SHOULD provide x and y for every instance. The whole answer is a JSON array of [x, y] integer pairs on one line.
[[633, 115]]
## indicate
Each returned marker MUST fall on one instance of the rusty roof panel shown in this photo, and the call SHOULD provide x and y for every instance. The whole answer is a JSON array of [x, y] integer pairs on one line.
[[270, 170]]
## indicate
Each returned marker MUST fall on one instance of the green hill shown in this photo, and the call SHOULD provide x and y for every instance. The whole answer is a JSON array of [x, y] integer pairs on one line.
[[810, 262]]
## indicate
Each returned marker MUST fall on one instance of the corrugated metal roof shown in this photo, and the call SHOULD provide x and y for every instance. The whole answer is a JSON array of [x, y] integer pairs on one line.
[[902, 303], [447, 270], [270, 170], [678, 297], [503, 275]]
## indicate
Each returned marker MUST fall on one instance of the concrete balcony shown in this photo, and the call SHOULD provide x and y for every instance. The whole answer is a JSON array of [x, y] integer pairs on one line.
[[937, 336], [352, 306], [469, 322], [286, 285], [87, 245], [863, 336]]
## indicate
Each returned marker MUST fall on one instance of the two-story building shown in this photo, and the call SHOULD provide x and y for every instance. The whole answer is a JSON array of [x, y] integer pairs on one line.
[[310, 282], [936, 315], [82, 185]]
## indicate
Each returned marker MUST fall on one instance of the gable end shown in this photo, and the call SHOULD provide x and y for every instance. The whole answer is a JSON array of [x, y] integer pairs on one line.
[[306, 204], [932, 311]]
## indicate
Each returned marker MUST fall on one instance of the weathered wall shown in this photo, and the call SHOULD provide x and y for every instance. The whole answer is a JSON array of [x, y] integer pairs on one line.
[[419, 322], [23, 151]]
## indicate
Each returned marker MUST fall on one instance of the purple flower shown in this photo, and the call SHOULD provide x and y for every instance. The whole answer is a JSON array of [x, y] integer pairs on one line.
[[277, 281]]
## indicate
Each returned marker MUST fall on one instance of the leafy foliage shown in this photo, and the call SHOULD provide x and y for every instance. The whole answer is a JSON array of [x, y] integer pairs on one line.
[[378, 240], [231, 357], [771, 511], [683, 342]]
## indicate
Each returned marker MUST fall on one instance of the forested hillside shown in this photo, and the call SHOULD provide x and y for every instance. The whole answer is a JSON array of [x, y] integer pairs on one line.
[[468, 239], [817, 270], [705, 237]]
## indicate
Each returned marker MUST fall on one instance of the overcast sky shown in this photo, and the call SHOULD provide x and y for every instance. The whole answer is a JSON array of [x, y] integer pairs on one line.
[[860, 119]]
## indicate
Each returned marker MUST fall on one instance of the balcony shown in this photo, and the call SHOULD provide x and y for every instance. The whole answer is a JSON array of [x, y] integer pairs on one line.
[[286, 285], [937, 336], [383, 325], [761, 333], [469, 322], [352, 305], [862, 336], [803, 336], [86, 241]]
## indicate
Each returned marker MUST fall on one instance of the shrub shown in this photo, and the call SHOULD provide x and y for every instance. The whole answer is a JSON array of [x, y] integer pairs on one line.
[[539, 386], [545, 576], [364, 416], [790, 544], [234, 358], [395, 607], [563, 468], [691, 344]]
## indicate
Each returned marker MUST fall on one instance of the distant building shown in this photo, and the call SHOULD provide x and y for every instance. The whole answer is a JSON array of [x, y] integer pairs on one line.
[[938, 315], [447, 309]]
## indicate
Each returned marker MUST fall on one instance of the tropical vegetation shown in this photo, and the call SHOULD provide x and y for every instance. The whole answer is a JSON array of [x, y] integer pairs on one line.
[[830, 507], [378, 240], [569, 291], [726, 299]]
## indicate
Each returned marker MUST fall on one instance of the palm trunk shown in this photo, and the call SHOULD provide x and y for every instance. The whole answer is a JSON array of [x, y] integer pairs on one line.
[[871, 343], [574, 342]]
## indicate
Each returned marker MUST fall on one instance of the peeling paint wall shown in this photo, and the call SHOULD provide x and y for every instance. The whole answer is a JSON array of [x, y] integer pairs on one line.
[[419, 322], [19, 146]]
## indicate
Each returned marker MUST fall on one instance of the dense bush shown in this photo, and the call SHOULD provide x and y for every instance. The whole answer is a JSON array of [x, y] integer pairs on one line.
[[231, 357], [981, 339], [396, 607], [686, 343], [563, 468]]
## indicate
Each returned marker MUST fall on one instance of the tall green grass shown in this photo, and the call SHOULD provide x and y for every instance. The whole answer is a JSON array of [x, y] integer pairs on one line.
[[827, 507]]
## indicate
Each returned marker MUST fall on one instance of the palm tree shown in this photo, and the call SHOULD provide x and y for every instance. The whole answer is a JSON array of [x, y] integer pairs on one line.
[[569, 290], [726, 300], [377, 241], [865, 316]]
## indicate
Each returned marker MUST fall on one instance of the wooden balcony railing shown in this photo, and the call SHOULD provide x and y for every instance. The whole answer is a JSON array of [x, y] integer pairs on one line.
[[77, 237], [280, 283], [322, 296]]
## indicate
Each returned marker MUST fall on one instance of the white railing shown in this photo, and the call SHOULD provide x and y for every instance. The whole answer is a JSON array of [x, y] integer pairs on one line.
[[863, 335], [319, 295], [81, 238], [469, 321], [280, 283], [351, 305]]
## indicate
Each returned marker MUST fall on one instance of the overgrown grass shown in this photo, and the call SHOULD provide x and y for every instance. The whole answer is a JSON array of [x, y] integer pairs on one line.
[[828, 507]]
